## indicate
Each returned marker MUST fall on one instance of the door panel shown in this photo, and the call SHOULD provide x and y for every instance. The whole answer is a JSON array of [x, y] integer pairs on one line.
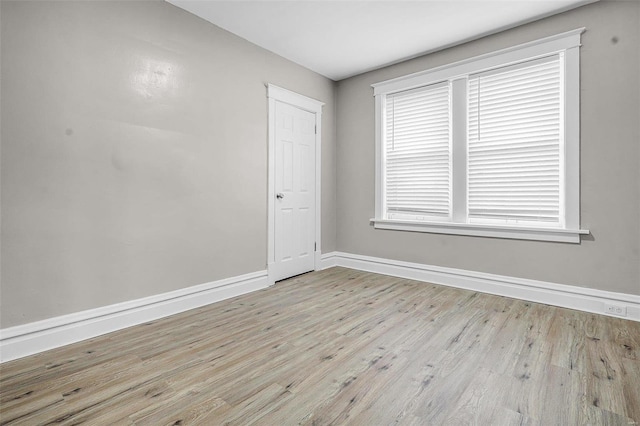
[[295, 191]]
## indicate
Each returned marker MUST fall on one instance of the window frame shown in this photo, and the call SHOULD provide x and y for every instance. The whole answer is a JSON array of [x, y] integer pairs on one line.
[[457, 74]]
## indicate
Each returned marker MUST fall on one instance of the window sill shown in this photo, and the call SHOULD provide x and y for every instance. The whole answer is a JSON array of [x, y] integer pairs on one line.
[[483, 230]]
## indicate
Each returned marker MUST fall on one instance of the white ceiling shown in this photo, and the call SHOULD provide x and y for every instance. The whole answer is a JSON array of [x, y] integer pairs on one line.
[[339, 39]]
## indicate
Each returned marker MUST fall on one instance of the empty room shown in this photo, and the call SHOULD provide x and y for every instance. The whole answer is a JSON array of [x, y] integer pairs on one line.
[[332, 212]]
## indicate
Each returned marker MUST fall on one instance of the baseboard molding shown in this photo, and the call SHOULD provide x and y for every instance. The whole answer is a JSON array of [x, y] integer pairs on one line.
[[28, 339], [329, 260], [566, 296]]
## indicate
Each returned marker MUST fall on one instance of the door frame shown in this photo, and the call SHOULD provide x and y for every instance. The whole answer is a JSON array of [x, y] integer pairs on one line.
[[279, 94]]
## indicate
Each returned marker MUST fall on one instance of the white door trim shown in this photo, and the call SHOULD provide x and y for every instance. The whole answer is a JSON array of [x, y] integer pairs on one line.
[[278, 94]]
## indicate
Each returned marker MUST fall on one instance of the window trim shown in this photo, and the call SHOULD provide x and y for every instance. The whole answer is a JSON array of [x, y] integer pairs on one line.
[[484, 230], [569, 43]]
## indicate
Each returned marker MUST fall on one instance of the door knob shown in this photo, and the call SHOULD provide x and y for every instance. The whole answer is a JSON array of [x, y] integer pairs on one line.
[[280, 196]]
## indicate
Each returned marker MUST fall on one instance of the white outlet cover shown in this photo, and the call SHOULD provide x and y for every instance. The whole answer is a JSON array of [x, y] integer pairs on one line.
[[618, 310]]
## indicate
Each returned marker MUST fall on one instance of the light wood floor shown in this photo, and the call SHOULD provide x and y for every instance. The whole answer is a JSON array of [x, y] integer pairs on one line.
[[341, 347]]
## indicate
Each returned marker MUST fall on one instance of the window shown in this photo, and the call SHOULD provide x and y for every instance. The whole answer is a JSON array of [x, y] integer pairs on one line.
[[488, 146], [514, 143], [418, 161]]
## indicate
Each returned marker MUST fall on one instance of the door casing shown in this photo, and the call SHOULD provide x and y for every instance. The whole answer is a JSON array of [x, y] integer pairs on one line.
[[278, 94]]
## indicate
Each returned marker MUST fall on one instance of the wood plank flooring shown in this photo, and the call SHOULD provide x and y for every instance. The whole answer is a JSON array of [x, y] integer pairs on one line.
[[341, 347]]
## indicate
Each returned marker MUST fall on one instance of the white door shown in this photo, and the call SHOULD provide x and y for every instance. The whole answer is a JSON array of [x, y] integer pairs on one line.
[[295, 196]]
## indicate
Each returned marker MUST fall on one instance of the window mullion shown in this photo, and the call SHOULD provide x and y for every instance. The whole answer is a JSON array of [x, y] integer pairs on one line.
[[459, 150]]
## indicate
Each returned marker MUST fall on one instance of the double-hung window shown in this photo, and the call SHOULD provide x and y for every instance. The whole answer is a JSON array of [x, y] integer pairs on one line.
[[487, 146]]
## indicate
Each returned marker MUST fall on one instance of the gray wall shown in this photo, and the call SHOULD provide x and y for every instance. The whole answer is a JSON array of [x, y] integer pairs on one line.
[[134, 153], [134, 142], [610, 160]]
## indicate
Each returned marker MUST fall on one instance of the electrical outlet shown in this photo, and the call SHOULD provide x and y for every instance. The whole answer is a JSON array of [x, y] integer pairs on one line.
[[618, 310]]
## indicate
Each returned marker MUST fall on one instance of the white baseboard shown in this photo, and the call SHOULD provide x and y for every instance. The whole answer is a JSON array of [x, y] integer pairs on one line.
[[28, 339], [566, 296], [329, 260]]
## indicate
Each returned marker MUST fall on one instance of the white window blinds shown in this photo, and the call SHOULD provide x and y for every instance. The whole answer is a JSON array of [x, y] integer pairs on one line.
[[417, 153], [515, 143]]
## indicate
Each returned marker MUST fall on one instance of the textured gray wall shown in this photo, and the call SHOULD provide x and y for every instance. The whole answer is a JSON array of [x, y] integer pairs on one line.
[[610, 160], [134, 153]]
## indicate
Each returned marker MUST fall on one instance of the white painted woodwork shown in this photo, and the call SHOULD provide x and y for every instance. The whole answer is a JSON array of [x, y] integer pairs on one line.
[[556, 294], [278, 95], [20, 341], [32, 338], [295, 191], [568, 229]]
